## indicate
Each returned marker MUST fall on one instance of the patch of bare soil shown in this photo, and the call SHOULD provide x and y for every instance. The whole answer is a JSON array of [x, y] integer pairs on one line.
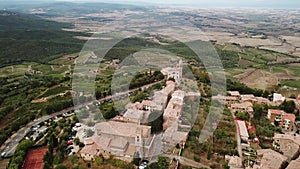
[[260, 79]]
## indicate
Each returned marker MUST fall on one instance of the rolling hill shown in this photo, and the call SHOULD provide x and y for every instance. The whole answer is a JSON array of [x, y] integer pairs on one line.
[[25, 37]]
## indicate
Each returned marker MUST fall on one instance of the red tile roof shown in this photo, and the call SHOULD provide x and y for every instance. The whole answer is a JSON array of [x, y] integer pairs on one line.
[[290, 117], [273, 111]]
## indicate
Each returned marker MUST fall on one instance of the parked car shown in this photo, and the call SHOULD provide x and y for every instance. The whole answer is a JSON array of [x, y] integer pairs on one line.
[[70, 142], [69, 148], [143, 164], [3, 154]]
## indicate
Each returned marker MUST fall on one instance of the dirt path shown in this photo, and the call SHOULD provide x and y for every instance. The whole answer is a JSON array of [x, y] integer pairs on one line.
[[187, 162]]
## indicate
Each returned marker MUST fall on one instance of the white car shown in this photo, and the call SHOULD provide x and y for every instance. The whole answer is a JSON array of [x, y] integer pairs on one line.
[[3, 154], [142, 166], [74, 128]]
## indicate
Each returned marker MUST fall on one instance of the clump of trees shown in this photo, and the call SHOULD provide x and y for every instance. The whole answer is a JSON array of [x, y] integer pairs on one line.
[[243, 89], [263, 126], [288, 106], [48, 157], [162, 163], [51, 139], [146, 78], [108, 110], [20, 154], [243, 115]]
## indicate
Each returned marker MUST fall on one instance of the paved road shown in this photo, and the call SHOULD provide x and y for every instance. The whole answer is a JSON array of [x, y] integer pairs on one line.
[[12, 142]]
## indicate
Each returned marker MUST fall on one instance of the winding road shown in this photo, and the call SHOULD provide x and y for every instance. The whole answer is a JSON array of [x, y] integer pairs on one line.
[[11, 144]]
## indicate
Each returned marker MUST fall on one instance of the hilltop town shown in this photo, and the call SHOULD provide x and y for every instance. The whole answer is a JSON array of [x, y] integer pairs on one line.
[[124, 86], [129, 135]]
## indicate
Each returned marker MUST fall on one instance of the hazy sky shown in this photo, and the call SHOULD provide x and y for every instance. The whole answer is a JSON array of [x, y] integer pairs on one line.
[[242, 3], [211, 3]]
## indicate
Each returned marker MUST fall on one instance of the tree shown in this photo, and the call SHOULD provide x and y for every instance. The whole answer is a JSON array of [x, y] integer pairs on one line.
[[259, 111], [60, 166], [76, 141], [163, 163], [20, 153], [74, 159], [153, 166], [136, 158], [171, 79], [243, 115], [47, 165], [88, 165], [48, 160], [293, 96], [98, 160], [53, 142], [59, 157], [208, 153], [288, 106], [111, 112], [78, 167]]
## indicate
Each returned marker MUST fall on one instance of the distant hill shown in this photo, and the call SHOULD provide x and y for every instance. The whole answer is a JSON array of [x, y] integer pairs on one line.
[[68, 8], [25, 37], [19, 21]]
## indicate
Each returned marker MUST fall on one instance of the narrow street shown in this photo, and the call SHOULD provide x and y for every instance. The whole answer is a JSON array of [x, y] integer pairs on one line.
[[238, 138]]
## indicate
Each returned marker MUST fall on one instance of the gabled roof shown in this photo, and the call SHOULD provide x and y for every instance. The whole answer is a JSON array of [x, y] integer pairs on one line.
[[119, 143], [234, 93], [122, 129], [102, 142], [136, 115], [243, 105], [294, 164], [295, 138], [290, 117], [91, 149], [274, 111], [242, 128], [271, 159]]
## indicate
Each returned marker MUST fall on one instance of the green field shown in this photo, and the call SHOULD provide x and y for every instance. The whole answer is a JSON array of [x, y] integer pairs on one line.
[[55, 91], [295, 84]]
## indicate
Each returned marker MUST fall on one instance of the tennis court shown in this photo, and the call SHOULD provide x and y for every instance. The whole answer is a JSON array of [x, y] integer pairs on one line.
[[34, 159]]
